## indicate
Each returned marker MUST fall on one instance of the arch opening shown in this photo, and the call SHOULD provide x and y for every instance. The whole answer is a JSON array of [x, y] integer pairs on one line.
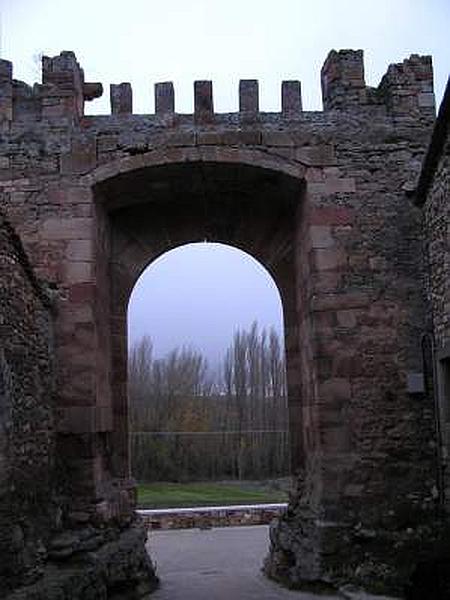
[[144, 213], [206, 374]]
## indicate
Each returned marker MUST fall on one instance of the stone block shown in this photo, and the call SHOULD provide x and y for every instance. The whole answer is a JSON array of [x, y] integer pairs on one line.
[[6, 71], [248, 97], [340, 301], [341, 185], [78, 272], [347, 318], [92, 90], [121, 98], [426, 100], [6, 105], [80, 293], [291, 97], [277, 138], [321, 236], [203, 101], [81, 158], [328, 259], [85, 419], [316, 156], [331, 215], [56, 228], [180, 138], [164, 98], [79, 250], [337, 388], [335, 439]]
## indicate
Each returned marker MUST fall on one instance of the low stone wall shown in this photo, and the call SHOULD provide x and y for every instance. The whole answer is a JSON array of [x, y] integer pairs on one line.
[[211, 516]]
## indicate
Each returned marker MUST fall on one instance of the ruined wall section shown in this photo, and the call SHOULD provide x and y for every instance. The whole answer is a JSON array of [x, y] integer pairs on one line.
[[28, 479]]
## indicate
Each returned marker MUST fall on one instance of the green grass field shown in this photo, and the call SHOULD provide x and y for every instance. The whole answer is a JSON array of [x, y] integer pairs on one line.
[[178, 495]]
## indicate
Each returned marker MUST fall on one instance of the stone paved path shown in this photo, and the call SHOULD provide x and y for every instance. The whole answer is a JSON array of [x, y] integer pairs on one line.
[[218, 564]]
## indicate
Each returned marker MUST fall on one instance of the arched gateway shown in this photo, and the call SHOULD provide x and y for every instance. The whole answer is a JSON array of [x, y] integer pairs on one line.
[[319, 199]]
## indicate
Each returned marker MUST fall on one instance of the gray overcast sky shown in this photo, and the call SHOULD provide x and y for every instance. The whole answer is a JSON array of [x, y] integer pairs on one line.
[[194, 295]]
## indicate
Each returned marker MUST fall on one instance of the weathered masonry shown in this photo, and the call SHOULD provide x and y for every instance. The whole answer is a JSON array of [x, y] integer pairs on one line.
[[323, 201]]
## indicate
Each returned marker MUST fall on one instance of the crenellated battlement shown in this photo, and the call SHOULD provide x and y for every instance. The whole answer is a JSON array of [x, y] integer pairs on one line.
[[405, 89]]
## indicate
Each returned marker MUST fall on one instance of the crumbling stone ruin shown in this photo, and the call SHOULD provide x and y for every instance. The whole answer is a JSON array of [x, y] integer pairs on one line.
[[346, 208]]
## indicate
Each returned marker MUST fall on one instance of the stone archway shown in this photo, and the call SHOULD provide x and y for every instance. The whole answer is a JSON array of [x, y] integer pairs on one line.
[[317, 198], [154, 209]]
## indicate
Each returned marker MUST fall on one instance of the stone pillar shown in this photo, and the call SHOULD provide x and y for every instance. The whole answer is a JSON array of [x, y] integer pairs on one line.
[[203, 101], [6, 92], [121, 97], [248, 99], [164, 98], [291, 97]]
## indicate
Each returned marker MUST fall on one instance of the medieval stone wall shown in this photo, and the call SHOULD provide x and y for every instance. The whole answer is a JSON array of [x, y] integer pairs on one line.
[[437, 247], [434, 197], [28, 479], [321, 200]]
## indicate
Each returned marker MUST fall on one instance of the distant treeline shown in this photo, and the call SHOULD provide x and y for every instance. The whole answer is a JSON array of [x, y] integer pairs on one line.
[[187, 424]]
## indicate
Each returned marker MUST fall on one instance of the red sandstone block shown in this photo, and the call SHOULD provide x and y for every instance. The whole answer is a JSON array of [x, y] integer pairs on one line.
[[329, 259], [338, 388], [209, 138], [291, 97], [342, 185], [347, 318], [321, 155], [277, 138], [203, 101], [79, 250], [229, 138], [248, 96], [335, 439], [321, 236], [244, 138], [121, 98], [164, 98], [180, 138], [78, 271], [85, 419], [56, 228], [331, 215], [82, 292], [326, 281], [82, 157], [340, 301]]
